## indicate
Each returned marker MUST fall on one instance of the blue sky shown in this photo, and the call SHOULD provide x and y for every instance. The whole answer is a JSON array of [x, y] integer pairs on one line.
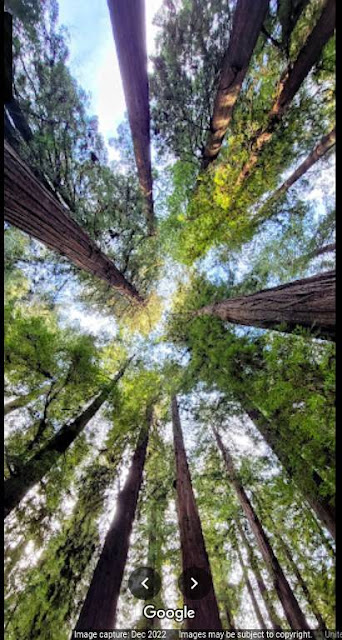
[[93, 58]]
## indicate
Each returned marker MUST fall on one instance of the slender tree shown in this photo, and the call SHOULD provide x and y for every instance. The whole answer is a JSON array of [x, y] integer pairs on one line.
[[253, 563], [250, 589], [291, 81], [31, 207], [307, 303], [99, 608], [293, 612], [193, 549], [320, 505], [128, 23], [17, 486], [247, 22], [22, 401]]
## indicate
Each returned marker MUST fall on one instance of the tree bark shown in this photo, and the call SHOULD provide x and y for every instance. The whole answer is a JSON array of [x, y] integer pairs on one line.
[[293, 612], [16, 487], [193, 549], [99, 608], [253, 562], [31, 207], [307, 303], [128, 24], [259, 616], [318, 152], [291, 81], [247, 22], [320, 505]]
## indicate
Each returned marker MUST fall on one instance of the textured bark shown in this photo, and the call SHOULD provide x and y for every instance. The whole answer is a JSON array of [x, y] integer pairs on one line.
[[193, 549], [8, 56], [307, 303], [99, 608], [293, 612], [320, 505], [259, 616], [253, 563], [318, 152], [128, 24], [31, 207], [22, 401], [247, 22], [291, 82], [16, 487]]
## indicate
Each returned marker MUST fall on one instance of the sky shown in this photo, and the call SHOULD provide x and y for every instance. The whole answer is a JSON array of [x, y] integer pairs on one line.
[[93, 59]]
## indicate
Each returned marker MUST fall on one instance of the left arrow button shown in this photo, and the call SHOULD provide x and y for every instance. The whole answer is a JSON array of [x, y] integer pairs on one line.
[[144, 583]]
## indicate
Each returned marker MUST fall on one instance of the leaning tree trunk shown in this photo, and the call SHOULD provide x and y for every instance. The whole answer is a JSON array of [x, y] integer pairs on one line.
[[193, 549], [318, 152], [253, 562], [99, 608], [247, 22], [320, 505], [308, 303], [257, 610], [31, 207], [291, 82], [128, 24], [293, 612], [16, 487]]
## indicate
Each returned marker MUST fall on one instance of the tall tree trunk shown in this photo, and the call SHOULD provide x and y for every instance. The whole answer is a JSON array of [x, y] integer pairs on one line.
[[228, 612], [253, 562], [293, 612], [31, 207], [291, 81], [247, 22], [128, 24], [293, 566], [22, 401], [99, 608], [321, 506], [16, 487], [193, 549], [259, 616], [307, 303], [318, 152]]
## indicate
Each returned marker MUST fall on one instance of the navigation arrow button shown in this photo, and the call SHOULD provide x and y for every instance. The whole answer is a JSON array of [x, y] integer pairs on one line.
[[195, 583], [144, 583]]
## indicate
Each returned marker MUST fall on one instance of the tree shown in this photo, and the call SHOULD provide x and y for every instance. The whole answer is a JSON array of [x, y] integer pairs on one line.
[[258, 613], [99, 608], [192, 542], [308, 303]]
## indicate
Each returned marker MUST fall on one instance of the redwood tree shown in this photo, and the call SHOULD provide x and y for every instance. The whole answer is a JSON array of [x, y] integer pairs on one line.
[[193, 549]]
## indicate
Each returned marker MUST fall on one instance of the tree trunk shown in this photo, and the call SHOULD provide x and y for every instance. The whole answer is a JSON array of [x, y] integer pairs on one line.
[[247, 22], [16, 487], [194, 553], [22, 401], [291, 82], [229, 614], [128, 24], [253, 562], [318, 152], [308, 303], [293, 612], [321, 506], [259, 616], [99, 608], [31, 207]]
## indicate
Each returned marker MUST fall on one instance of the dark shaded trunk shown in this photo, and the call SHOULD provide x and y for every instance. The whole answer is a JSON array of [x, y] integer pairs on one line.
[[293, 612], [253, 562], [16, 487], [320, 505], [31, 207], [193, 549], [247, 21], [308, 303], [291, 82], [99, 608], [22, 401], [259, 616], [128, 24], [318, 152]]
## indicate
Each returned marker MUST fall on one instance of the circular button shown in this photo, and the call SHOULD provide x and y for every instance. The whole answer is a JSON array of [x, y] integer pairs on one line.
[[144, 583], [195, 583]]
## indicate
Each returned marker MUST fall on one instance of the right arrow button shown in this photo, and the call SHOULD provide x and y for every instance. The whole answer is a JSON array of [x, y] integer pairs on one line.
[[195, 583]]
